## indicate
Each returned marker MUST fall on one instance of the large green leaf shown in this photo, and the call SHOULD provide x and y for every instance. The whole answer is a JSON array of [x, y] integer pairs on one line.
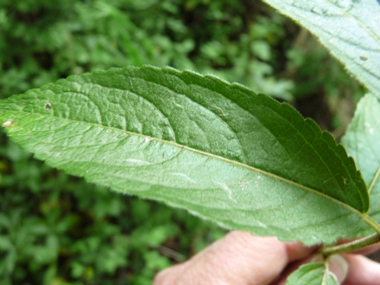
[[197, 142], [362, 143], [350, 29], [312, 274]]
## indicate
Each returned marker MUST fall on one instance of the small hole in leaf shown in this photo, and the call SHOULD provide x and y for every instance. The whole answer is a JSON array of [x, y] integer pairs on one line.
[[48, 106], [363, 58]]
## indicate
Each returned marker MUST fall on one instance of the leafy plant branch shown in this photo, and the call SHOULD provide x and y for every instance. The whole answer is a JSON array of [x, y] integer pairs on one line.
[[219, 150]]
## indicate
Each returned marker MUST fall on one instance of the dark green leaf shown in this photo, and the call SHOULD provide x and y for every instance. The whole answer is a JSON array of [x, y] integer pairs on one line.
[[216, 149]]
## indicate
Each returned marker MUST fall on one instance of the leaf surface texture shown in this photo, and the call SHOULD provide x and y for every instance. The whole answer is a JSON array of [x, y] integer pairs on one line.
[[312, 274], [362, 141], [350, 29], [216, 149]]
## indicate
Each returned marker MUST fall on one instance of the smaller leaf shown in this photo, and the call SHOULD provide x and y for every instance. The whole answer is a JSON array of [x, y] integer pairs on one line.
[[362, 143], [312, 274]]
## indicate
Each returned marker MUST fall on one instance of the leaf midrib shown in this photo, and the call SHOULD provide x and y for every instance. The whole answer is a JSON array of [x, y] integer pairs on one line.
[[177, 76], [374, 180], [325, 272], [236, 163]]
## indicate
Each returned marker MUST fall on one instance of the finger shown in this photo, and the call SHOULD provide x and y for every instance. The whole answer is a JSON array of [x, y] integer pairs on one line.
[[338, 265], [238, 258], [362, 271]]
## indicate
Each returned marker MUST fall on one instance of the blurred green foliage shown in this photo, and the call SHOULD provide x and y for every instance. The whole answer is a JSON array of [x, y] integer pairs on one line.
[[57, 229]]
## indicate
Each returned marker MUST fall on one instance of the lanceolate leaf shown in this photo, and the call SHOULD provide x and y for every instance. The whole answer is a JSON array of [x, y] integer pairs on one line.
[[312, 274], [362, 142], [350, 29], [216, 149]]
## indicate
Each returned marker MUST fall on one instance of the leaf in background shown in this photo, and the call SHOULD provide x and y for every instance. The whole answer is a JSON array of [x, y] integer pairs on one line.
[[362, 143], [196, 142], [350, 29], [312, 274]]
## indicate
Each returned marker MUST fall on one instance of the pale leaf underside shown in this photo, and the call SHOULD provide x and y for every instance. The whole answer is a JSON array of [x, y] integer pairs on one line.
[[350, 29], [362, 143]]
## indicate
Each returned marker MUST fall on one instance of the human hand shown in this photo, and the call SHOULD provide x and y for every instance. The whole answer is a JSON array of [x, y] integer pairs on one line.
[[241, 258]]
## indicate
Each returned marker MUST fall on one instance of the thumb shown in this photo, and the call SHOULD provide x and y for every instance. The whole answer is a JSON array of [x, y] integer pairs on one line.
[[339, 266]]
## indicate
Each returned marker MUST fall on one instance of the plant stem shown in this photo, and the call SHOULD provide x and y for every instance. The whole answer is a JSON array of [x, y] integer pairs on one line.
[[351, 246], [356, 244]]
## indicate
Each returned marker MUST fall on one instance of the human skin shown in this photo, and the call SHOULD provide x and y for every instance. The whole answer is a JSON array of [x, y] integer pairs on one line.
[[241, 258]]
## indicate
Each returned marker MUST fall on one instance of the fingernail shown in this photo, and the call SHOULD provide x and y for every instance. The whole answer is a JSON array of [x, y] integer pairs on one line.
[[339, 266]]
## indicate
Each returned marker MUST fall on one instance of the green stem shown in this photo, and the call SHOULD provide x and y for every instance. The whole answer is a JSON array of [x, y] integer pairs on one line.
[[351, 246], [356, 244]]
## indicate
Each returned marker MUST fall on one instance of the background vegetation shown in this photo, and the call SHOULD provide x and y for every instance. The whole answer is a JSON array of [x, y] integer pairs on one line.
[[57, 229]]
